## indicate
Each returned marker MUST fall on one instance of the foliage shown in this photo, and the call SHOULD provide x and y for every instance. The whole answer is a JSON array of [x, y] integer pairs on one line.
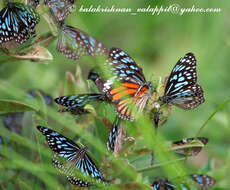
[[156, 43]]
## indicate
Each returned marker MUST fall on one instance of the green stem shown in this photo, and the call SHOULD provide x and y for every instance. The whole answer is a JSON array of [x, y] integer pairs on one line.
[[160, 165], [220, 107]]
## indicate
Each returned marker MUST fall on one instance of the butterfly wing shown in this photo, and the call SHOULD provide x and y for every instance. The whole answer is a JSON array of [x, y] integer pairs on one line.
[[204, 181], [191, 151], [162, 184], [127, 87], [181, 88], [62, 146], [87, 166], [76, 103], [74, 43], [60, 8], [113, 134], [73, 180], [17, 23]]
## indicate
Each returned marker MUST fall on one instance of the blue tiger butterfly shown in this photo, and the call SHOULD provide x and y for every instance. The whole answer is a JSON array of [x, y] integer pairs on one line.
[[74, 43], [202, 181], [74, 157], [76, 103], [60, 8], [181, 87], [17, 24]]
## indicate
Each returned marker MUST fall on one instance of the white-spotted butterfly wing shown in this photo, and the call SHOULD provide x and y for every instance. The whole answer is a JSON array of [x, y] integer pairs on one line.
[[181, 87]]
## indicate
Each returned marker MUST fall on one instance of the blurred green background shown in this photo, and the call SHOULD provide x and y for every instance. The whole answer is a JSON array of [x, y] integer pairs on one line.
[[155, 42]]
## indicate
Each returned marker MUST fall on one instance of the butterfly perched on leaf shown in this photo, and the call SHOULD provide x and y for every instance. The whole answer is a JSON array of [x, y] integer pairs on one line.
[[76, 103], [17, 24], [74, 43], [189, 151], [60, 9], [126, 87], [181, 88], [204, 181], [70, 157]]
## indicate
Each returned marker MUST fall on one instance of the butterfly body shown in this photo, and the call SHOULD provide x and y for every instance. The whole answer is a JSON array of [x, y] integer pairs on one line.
[[181, 87], [17, 23]]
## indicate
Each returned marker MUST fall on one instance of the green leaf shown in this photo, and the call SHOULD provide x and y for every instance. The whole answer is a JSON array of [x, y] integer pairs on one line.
[[10, 106]]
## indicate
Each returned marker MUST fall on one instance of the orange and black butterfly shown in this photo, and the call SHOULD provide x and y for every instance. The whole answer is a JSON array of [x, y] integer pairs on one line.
[[127, 88]]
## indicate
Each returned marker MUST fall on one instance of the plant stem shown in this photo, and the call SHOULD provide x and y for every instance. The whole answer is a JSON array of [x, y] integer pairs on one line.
[[160, 165], [220, 107]]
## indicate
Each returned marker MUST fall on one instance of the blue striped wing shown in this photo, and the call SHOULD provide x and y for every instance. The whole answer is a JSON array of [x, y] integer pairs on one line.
[[74, 43], [61, 145], [204, 181], [76, 103], [162, 184], [74, 156], [125, 67], [181, 88], [89, 168], [73, 180], [17, 23], [113, 134]]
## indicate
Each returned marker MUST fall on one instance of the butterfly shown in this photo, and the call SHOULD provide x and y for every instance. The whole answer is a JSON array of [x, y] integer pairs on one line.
[[60, 8], [76, 103], [74, 156], [191, 151], [127, 87], [181, 87], [74, 43], [113, 134], [204, 181], [34, 3], [17, 24], [162, 184]]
